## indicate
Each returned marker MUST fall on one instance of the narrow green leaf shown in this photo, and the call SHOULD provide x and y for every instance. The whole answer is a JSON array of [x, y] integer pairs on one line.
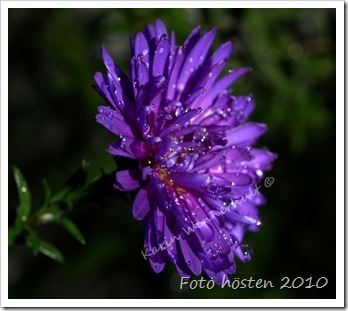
[[12, 234], [48, 194], [50, 251], [69, 226], [24, 206], [33, 241]]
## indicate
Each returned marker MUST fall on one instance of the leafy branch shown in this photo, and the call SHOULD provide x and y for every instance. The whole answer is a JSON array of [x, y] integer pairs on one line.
[[55, 207]]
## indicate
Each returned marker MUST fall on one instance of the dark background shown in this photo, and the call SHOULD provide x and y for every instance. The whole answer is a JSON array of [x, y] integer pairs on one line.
[[53, 54]]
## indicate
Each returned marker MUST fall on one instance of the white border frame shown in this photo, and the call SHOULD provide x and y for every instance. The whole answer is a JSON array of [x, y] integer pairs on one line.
[[338, 302]]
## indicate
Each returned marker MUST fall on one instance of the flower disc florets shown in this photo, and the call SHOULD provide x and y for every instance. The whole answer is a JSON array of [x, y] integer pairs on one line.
[[198, 171]]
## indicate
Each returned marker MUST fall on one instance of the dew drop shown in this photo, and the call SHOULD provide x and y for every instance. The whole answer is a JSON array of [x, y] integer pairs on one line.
[[247, 252], [259, 173], [181, 86], [188, 261], [161, 185], [248, 98], [24, 189], [24, 218]]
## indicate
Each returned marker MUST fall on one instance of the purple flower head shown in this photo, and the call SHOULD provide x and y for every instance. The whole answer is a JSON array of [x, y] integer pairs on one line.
[[198, 172]]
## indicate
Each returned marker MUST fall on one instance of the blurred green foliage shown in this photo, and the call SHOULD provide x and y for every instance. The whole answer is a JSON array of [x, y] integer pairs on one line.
[[53, 54]]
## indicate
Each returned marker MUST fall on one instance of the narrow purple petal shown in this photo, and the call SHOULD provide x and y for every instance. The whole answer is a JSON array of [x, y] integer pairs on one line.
[[245, 134], [173, 77], [160, 29], [122, 146], [128, 180], [141, 205], [208, 78], [139, 149], [223, 52], [192, 38], [195, 58], [262, 159], [221, 85], [160, 58], [191, 259], [114, 122], [141, 48], [232, 179], [191, 179]]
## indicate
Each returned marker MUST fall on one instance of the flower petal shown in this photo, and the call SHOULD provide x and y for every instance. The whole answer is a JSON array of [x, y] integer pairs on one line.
[[114, 122], [128, 180], [141, 205], [160, 58], [195, 58], [245, 134], [221, 85], [191, 179], [191, 259]]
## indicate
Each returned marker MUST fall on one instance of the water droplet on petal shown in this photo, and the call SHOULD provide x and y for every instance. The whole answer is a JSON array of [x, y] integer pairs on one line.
[[161, 185], [259, 173], [247, 252], [188, 261], [181, 86]]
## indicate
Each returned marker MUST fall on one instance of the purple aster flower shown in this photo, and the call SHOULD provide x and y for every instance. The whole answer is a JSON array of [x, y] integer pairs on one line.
[[198, 172]]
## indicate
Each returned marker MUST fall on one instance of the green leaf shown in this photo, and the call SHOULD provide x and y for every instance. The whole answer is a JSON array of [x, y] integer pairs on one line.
[[24, 206], [48, 194], [69, 226], [50, 251], [12, 234], [33, 241]]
